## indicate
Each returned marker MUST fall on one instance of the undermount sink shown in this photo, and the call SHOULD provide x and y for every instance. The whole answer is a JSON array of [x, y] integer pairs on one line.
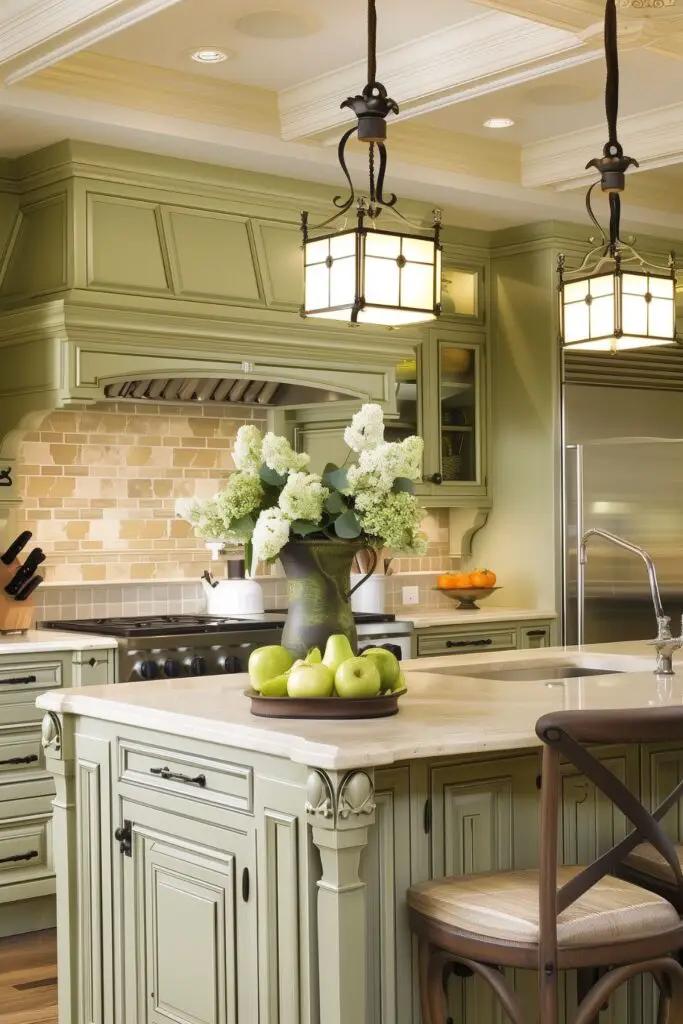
[[527, 673]]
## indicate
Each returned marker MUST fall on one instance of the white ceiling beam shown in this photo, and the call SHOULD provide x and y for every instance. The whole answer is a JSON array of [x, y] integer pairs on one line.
[[488, 52], [35, 34], [654, 138]]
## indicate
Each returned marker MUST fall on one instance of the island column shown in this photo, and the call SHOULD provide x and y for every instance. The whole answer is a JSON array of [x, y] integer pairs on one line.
[[340, 806]]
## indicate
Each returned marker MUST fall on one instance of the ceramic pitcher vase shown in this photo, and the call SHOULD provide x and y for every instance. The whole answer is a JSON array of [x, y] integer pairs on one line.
[[318, 574]]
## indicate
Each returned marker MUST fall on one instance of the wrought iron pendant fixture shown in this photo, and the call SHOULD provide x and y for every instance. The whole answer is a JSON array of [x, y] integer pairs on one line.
[[365, 274], [616, 300]]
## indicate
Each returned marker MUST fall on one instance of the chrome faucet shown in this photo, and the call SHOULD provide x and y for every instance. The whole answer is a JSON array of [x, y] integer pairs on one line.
[[665, 644]]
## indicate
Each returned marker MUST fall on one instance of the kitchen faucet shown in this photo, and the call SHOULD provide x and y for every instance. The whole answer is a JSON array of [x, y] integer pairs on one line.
[[665, 644]]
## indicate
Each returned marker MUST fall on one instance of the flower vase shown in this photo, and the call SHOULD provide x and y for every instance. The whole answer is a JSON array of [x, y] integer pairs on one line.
[[318, 573]]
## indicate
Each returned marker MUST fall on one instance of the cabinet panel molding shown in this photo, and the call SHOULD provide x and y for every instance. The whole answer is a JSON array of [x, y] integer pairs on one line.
[[282, 917], [90, 892]]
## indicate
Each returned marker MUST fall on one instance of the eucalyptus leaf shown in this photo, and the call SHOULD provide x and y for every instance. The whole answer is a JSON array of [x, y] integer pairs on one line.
[[270, 477], [335, 503], [347, 526], [304, 527], [243, 526], [402, 483], [336, 478]]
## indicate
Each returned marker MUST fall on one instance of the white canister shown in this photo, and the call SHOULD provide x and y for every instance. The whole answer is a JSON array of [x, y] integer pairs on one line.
[[371, 595]]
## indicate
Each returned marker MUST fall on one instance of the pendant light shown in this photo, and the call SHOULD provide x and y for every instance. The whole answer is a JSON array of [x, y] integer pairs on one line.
[[365, 274], [616, 300]]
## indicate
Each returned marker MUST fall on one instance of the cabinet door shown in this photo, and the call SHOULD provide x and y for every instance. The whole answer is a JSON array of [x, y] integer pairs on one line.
[[433, 645], [454, 395], [485, 818], [190, 923], [386, 870], [590, 826]]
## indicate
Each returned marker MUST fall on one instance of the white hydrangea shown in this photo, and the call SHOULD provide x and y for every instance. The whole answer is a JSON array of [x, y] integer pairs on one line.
[[185, 509], [303, 497], [279, 455], [247, 452], [379, 467], [270, 535], [366, 430]]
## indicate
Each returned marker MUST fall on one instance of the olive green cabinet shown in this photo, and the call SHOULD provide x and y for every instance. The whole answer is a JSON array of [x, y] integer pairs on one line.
[[26, 788], [190, 914], [434, 641]]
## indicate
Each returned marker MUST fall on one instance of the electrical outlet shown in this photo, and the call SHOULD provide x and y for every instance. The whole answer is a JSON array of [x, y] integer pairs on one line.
[[411, 595]]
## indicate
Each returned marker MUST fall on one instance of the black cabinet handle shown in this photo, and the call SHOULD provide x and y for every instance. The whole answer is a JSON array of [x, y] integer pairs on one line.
[[245, 885], [435, 478], [166, 773], [469, 643], [536, 632], [18, 681], [31, 855], [29, 759]]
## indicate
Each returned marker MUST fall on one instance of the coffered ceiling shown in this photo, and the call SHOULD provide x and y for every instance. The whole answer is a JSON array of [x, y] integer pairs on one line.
[[121, 71]]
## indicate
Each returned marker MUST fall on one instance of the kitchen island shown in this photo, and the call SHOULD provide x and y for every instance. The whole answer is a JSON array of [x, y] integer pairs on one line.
[[217, 867]]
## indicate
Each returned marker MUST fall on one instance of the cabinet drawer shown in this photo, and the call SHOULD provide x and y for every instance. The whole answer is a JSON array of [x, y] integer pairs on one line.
[[466, 643], [21, 754], [185, 774], [25, 849], [19, 678]]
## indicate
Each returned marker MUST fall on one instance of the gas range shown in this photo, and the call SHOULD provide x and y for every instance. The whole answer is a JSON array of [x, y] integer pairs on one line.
[[176, 646]]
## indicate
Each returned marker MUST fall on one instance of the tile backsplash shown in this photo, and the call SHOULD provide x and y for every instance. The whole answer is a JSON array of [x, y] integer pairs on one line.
[[99, 485]]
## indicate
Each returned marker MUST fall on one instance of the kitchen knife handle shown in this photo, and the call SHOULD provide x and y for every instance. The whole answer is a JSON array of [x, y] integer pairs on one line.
[[23, 574], [15, 547], [29, 588]]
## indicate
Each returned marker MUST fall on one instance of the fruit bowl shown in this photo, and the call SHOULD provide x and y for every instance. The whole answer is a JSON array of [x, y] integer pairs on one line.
[[382, 706], [466, 596]]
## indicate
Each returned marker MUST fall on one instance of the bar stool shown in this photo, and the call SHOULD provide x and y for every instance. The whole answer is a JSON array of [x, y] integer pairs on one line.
[[565, 918]]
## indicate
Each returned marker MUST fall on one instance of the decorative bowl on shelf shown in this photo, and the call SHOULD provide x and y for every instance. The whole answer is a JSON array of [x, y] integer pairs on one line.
[[382, 706], [466, 596]]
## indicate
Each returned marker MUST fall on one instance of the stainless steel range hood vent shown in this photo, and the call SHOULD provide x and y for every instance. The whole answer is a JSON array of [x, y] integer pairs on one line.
[[220, 391]]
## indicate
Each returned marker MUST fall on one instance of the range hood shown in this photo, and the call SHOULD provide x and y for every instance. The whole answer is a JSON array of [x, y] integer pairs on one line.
[[221, 391]]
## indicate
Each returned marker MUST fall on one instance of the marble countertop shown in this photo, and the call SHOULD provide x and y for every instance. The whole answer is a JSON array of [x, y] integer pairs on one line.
[[37, 641], [442, 714], [480, 617]]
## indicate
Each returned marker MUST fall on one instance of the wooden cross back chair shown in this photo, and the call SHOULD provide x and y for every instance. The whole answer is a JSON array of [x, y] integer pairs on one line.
[[552, 919]]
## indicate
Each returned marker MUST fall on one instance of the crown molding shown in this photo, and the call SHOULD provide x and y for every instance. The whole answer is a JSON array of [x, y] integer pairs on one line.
[[125, 83], [428, 73], [47, 31], [655, 138]]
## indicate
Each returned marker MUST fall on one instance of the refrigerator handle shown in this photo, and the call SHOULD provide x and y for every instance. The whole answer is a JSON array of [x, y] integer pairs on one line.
[[580, 566]]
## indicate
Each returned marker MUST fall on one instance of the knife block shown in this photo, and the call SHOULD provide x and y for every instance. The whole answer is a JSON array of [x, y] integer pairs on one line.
[[15, 616]]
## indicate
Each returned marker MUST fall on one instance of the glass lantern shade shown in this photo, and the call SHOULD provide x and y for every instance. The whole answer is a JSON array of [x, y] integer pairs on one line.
[[372, 277], [618, 311]]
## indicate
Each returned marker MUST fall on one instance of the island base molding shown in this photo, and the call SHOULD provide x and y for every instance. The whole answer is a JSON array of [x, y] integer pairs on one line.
[[289, 880]]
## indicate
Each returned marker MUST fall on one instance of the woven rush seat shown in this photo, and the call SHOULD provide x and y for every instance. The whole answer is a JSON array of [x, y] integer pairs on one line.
[[505, 906], [645, 860]]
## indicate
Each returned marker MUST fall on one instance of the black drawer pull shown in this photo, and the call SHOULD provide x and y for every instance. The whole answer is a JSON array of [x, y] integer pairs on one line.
[[469, 643], [536, 632], [18, 681], [29, 759], [31, 855], [166, 773]]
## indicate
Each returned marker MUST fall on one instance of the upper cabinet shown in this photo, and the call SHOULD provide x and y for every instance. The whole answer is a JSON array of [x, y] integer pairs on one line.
[[443, 395], [463, 295]]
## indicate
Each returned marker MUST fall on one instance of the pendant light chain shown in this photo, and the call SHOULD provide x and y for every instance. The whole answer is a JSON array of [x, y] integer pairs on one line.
[[612, 84], [372, 42]]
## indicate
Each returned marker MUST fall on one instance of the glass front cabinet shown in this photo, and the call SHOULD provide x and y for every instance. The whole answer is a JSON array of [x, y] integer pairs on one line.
[[442, 394]]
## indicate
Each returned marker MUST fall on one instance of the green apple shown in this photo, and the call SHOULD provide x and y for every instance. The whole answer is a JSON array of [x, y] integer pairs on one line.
[[337, 651], [357, 677], [267, 662], [401, 682], [310, 681], [275, 687], [388, 665]]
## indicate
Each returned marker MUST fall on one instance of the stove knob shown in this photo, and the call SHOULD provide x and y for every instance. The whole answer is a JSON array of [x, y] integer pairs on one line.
[[198, 667], [148, 669], [171, 668], [395, 650], [231, 664]]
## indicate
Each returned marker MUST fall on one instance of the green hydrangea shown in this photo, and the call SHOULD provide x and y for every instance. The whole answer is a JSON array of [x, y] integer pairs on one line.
[[216, 518], [395, 522]]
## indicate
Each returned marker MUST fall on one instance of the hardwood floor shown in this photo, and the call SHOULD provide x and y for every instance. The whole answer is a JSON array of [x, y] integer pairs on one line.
[[28, 979]]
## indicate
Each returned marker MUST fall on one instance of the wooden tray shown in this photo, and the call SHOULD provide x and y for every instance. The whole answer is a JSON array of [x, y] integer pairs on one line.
[[324, 707]]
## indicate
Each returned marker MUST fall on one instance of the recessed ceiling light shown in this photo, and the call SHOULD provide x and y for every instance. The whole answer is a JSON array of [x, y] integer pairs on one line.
[[209, 55], [499, 122]]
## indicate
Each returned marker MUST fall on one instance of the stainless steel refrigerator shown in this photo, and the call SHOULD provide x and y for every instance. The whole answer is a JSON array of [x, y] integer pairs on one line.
[[623, 472]]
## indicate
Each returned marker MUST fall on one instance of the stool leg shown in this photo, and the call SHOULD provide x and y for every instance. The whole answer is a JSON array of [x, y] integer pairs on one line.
[[586, 978], [438, 1004], [423, 955]]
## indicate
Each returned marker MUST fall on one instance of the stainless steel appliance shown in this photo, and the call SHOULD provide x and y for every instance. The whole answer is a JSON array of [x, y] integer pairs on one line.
[[172, 646], [623, 475]]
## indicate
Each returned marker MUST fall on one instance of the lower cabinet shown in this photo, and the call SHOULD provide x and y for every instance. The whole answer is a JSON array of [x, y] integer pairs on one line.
[[189, 922], [434, 641]]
